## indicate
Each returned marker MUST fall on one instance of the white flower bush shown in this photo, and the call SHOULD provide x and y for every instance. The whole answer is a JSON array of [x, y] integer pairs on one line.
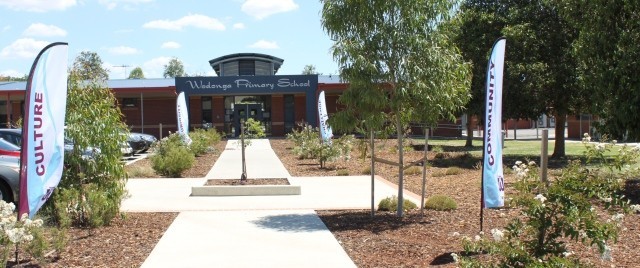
[[12, 231]]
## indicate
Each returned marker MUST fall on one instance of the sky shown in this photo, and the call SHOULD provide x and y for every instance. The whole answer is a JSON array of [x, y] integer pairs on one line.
[[148, 33]]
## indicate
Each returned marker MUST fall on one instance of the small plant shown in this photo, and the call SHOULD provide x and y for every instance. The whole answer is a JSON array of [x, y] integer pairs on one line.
[[438, 173], [201, 142], [441, 203], [343, 172], [25, 233], [309, 146], [391, 204], [414, 170], [439, 152], [171, 156], [453, 171], [140, 172], [366, 170]]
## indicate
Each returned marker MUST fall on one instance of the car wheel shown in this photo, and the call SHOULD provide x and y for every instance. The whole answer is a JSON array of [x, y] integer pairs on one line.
[[5, 192]]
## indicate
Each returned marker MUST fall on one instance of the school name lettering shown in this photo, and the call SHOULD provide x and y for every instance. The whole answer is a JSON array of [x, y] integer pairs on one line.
[[248, 84]]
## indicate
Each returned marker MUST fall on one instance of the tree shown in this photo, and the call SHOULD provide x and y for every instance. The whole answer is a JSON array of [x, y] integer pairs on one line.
[[10, 78], [399, 65], [607, 50], [93, 183], [88, 66], [174, 68], [539, 67], [309, 69], [136, 73]]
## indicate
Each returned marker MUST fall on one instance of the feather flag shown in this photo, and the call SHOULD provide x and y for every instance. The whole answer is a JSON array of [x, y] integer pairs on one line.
[[183, 118], [326, 133], [492, 173], [42, 155]]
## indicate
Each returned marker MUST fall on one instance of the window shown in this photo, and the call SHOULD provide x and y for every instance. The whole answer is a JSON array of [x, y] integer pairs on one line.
[[129, 102], [207, 115]]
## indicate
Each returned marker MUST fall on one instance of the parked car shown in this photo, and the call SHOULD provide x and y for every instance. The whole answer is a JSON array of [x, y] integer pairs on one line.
[[9, 149], [9, 178], [148, 139], [12, 135]]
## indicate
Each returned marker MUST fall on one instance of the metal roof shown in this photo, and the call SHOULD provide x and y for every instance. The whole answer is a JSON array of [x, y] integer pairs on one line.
[[141, 83], [13, 86]]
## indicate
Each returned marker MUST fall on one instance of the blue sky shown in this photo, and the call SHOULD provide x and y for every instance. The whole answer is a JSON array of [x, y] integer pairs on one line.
[[147, 33]]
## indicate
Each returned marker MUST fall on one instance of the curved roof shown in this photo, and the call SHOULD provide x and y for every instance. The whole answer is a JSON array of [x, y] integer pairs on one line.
[[215, 63]]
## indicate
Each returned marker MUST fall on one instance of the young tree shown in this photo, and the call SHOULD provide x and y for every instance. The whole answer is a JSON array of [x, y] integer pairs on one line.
[[93, 183], [88, 66], [399, 65], [174, 68], [136, 73]]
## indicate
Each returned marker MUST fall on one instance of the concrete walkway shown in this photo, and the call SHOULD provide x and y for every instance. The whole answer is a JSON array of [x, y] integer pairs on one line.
[[251, 231]]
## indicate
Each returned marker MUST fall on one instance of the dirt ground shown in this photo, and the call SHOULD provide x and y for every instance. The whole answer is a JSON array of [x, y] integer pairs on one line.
[[419, 239]]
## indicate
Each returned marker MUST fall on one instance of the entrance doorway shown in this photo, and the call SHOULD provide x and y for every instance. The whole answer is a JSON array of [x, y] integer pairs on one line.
[[244, 111]]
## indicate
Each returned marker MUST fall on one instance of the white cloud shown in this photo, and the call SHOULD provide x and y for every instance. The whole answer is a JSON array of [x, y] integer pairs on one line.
[[264, 44], [238, 25], [6, 28], [40, 29], [154, 68], [111, 4], [195, 20], [12, 73], [261, 9], [171, 45], [38, 5], [23, 48], [122, 50]]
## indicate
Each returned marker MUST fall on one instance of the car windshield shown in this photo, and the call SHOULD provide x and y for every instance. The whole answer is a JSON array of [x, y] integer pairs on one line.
[[7, 146]]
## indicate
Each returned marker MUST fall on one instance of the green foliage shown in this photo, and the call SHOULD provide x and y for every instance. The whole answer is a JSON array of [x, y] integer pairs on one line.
[[253, 129], [391, 204], [366, 170], [19, 234], [607, 49], [441, 203], [84, 176], [88, 66], [136, 73], [453, 171], [414, 170], [307, 145], [342, 172], [174, 68], [171, 156], [573, 207], [310, 69], [203, 140]]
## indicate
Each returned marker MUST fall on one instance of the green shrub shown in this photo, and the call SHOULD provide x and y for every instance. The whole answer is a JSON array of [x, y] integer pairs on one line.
[[366, 170], [140, 172], [414, 170], [343, 172], [171, 156], [201, 142], [307, 145], [439, 152], [453, 171], [440, 203], [391, 204]]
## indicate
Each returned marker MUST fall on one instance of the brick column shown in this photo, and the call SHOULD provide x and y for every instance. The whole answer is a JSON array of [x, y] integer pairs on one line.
[[277, 115]]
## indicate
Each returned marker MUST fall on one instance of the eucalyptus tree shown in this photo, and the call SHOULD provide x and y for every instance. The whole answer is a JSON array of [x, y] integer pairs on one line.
[[539, 66], [399, 65], [309, 69], [93, 183], [607, 50], [88, 66], [174, 68], [136, 73]]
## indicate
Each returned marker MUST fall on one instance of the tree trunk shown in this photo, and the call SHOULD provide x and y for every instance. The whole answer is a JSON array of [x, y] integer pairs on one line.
[[400, 168], [558, 149], [469, 142]]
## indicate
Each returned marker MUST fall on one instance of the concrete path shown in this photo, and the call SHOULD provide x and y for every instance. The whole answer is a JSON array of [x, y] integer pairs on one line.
[[252, 231]]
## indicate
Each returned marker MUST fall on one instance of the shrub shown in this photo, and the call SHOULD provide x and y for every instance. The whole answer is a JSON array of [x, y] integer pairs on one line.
[[140, 172], [171, 156], [453, 171], [413, 170], [440, 203], [439, 152], [438, 173], [391, 204], [15, 234], [571, 208], [366, 170], [343, 172], [201, 141], [307, 145]]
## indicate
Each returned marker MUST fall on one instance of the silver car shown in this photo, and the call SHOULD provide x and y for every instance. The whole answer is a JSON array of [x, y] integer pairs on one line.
[[9, 178]]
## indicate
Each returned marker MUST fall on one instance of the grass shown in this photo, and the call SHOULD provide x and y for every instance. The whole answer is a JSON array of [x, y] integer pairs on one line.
[[511, 147]]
